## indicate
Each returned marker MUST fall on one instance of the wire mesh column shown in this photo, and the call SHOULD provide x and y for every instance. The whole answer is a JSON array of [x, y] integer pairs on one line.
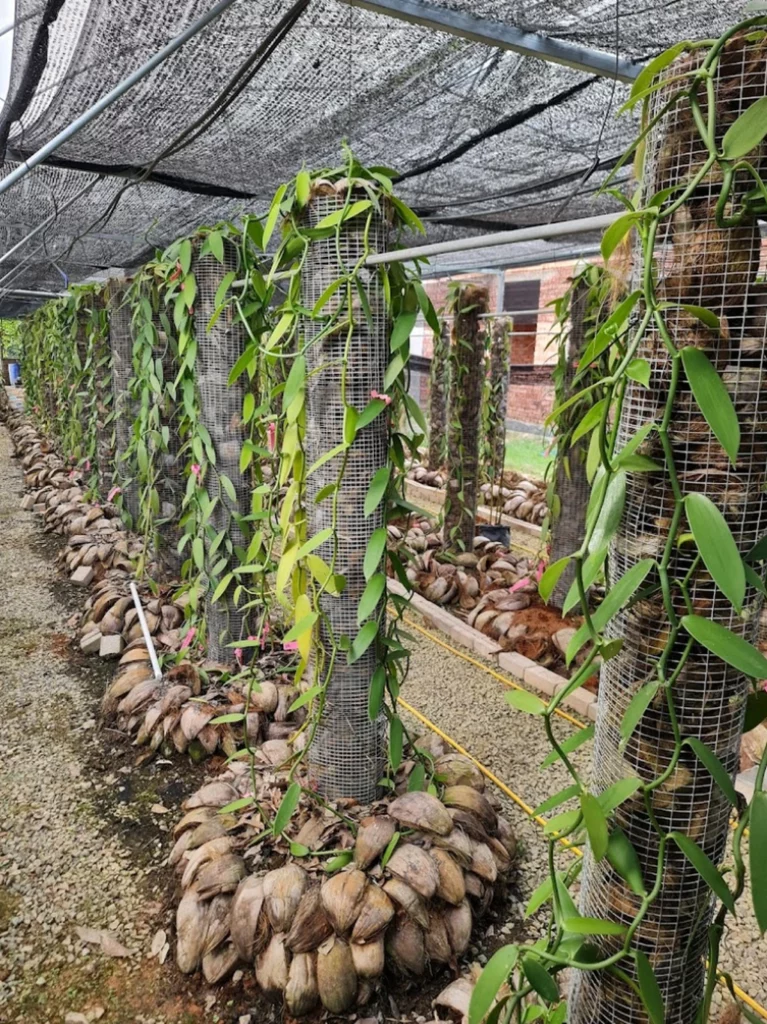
[[568, 525], [121, 344], [439, 384], [218, 349], [347, 756], [170, 481], [703, 264], [102, 357]]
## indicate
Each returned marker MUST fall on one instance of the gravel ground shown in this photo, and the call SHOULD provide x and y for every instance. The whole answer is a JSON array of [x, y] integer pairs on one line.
[[468, 704]]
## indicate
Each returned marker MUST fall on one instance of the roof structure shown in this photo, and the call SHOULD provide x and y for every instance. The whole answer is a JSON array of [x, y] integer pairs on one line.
[[484, 138]]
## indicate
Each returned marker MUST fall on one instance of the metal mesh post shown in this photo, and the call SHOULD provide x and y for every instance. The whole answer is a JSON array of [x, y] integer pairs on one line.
[[170, 482], [218, 349], [467, 365], [702, 264], [438, 394], [568, 526], [102, 359], [121, 343], [347, 756], [496, 402]]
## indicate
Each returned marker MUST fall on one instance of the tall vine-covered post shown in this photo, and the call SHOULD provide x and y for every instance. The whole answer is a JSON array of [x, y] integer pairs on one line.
[[569, 498], [496, 400], [467, 373], [124, 406], [221, 339], [439, 387], [344, 368]]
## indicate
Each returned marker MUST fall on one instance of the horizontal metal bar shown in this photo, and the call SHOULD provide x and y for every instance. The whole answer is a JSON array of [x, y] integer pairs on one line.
[[532, 234], [31, 294], [506, 37]]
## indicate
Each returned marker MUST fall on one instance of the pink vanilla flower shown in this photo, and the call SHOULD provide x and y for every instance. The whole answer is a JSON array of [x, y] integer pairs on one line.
[[386, 399], [271, 436], [238, 655], [196, 469], [290, 645], [72, 474], [540, 571], [519, 585], [191, 634], [87, 465], [113, 493]]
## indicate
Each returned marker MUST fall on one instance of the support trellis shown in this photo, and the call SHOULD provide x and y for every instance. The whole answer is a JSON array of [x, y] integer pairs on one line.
[[496, 401], [716, 267], [347, 755], [439, 387], [218, 349], [121, 344]]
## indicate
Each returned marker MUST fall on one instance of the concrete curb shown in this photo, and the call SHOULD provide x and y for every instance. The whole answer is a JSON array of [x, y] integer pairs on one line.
[[523, 670], [436, 496]]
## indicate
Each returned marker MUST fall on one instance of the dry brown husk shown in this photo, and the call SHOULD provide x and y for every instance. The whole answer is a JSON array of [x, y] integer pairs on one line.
[[408, 899], [455, 770], [451, 886], [191, 930], [437, 943], [342, 897], [336, 977], [373, 836], [415, 867], [310, 927], [283, 889], [406, 946], [302, 993], [272, 967], [369, 959], [458, 924], [466, 798], [219, 963], [221, 875], [375, 913], [249, 924], [421, 811]]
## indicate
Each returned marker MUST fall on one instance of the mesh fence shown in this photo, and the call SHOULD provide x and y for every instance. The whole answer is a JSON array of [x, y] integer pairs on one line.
[[435, 107], [706, 265], [105, 428], [121, 343], [218, 349], [347, 755]]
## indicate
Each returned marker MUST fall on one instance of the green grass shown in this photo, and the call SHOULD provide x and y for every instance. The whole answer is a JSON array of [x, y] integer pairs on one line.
[[524, 453]]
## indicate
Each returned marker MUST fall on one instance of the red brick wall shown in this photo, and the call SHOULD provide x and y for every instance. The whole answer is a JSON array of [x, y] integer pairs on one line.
[[530, 403]]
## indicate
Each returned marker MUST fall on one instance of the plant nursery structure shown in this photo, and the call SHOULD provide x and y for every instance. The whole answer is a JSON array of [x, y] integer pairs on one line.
[[219, 423]]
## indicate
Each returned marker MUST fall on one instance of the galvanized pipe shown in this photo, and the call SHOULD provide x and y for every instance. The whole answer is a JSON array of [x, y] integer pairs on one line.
[[145, 632]]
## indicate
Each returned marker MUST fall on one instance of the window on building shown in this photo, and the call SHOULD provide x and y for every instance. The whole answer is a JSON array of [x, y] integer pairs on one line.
[[522, 299]]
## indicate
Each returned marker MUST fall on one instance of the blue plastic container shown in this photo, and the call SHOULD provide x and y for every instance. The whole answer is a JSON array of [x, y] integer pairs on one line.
[[14, 373]]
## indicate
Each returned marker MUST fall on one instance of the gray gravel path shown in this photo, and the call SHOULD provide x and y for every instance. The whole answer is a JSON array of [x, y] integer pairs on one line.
[[469, 705]]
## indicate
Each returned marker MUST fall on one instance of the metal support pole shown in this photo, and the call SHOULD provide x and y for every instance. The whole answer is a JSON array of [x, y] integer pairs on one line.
[[119, 90], [540, 231], [506, 37]]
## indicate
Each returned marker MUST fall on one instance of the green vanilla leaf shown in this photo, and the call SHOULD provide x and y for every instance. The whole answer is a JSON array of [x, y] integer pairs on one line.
[[615, 599], [540, 979], [558, 798], [305, 698], [371, 595], [618, 793], [336, 863], [638, 704], [235, 716], [390, 848], [299, 850], [550, 578], [362, 641], [301, 627], [562, 822], [611, 513], [591, 569], [616, 232], [590, 420], [376, 491], [522, 700], [396, 737], [726, 645], [717, 547], [649, 989], [374, 552], [705, 868], [713, 399], [639, 370], [756, 710], [596, 825], [757, 858], [570, 744], [237, 805], [609, 331], [593, 926], [495, 974], [377, 691], [715, 768], [747, 131], [295, 381], [542, 895], [402, 329], [303, 187], [285, 810], [369, 413], [623, 858]]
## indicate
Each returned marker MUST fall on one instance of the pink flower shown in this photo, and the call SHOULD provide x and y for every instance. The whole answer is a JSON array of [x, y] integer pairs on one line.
[[261, 638], [196, 469], [540, 571], [87, 465], [271, 436], [519, 585], [72, 474], [238, 655], [113, 493], [386, 399], [290, 645], [191, 634]]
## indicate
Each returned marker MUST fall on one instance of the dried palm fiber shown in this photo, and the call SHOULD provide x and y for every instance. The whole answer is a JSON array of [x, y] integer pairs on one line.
[[218, 349], [121, 344], [571, 486], [495, 403], [439, 386], [347, 754], [467, 362], [716, 267]]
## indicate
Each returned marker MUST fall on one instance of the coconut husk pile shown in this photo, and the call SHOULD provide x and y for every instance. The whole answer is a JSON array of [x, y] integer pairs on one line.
[[517, 496], [178, 713], [325, 940]]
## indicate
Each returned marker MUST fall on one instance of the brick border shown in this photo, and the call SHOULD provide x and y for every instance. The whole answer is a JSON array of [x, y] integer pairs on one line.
[[522, 669], [436, 496]]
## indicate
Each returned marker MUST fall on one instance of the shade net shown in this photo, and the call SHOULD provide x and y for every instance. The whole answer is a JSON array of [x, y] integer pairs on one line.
[[484, 138], [718, 268]]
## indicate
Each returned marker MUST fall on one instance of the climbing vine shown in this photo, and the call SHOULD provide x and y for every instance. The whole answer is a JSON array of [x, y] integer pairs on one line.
[[649, 317]]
